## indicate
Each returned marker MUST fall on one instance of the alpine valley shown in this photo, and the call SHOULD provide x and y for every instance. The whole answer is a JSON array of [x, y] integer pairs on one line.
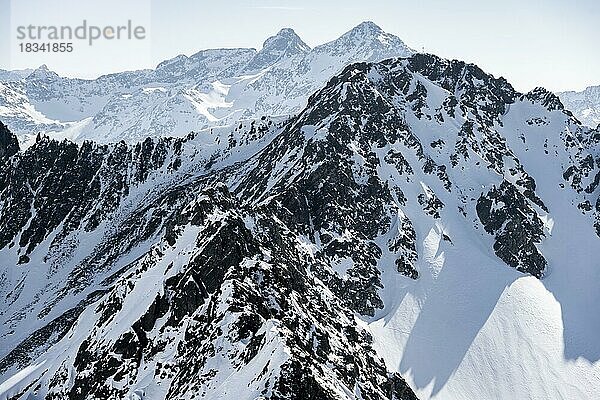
[[352, 221]]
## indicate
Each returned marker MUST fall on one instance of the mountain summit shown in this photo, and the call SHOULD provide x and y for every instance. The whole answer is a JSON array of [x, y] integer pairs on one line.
[[367, 28], [42, 72], [286, 43], [368, 42]]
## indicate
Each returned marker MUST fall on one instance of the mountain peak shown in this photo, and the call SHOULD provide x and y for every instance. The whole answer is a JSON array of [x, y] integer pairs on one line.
[[545, 97], [369, 31], [287, 32], [286, 43], [43, 72], [369, 43], [367, 27]]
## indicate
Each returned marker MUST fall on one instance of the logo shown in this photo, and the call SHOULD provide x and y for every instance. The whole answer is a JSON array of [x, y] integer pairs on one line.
[[84, 32]]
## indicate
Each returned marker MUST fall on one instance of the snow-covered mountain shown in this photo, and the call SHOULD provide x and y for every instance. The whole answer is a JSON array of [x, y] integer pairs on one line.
[[15, 75], [418, 229], [46, 102], [16, 109], [184, 94], [585, 104]]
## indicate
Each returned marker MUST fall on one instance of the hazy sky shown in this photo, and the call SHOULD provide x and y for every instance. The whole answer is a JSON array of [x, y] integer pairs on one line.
[[532, 43]]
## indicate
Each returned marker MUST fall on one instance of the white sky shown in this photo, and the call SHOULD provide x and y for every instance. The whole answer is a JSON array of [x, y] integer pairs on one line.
[[549, 43]]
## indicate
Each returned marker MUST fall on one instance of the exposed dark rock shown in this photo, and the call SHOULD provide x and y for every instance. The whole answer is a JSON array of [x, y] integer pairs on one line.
[[9, 145], [506, 214]]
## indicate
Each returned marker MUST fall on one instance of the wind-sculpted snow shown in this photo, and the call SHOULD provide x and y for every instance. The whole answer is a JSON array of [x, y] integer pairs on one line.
[[418, 218]]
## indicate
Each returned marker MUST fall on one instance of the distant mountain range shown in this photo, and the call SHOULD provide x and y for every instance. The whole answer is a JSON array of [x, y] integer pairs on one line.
[[585, 104], [184, 94]]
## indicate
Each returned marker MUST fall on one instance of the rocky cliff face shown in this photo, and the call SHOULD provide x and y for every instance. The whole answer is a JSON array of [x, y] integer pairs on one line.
[[9, 146], [213, 291]]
